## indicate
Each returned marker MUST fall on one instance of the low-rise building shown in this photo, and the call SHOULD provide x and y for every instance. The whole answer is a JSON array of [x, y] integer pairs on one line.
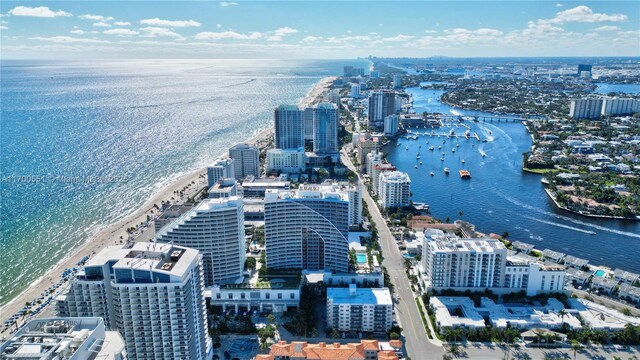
[[575, 262], [302, 350], [522, 246], [626, 276], [356, 309], [600, 317], [275, 295], [452, 312], [578, 277], [256, 187], [225, 188], [603, 284], [629, 293], [553, 255], [69, 338]]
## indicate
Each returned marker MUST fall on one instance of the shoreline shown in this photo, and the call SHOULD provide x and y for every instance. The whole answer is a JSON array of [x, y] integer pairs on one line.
[[107, 233], [607, 217]]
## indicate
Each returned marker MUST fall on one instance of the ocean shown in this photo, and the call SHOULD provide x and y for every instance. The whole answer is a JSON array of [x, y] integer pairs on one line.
[[84, 144], [500, 197]]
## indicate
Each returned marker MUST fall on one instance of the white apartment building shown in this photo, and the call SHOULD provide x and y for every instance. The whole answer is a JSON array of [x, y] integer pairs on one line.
[[533, 277], [376, 170], [286, 160], [307, 229], [373, 159], [456, 263], [220, 169], [618, 106], [215, 227], [152, 294], [585, 108], [353, 193], [397, 81], [391, 125], [450, 262], [355, 91], [359, 309], [246, 160], [394, 189]]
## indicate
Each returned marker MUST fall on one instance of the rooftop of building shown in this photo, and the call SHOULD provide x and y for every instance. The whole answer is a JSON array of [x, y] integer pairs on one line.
[[335, 351], [395, 176], [354, 295], [478, 245], [242, 146], [305, 193], [58, 338], [151, 256]]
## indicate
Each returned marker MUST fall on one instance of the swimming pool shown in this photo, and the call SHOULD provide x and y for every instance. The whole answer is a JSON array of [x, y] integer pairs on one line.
[[599, 273], [361, 259]]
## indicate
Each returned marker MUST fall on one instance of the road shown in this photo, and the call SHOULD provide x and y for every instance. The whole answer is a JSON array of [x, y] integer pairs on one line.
[[416, 340]]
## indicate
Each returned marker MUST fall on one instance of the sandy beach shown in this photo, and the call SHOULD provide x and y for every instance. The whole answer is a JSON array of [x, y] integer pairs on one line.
[[112, 234]]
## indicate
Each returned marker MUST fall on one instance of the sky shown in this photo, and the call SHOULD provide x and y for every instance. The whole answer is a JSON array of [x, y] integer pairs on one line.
[[316, 29]]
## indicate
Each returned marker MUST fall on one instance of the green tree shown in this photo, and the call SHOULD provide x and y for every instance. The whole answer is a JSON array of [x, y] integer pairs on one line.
[[575, 346]]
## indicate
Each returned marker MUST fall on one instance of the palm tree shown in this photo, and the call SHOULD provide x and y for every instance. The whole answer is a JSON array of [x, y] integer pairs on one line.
[[575, 346], [562, 314]]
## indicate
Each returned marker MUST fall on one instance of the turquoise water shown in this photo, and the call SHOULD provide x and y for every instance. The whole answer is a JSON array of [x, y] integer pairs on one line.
[[599, 273], [361, 259], [136, 124], [500, 197]]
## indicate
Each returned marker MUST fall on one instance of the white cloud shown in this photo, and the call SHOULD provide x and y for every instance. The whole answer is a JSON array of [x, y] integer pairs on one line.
[[159, 32], [40, 11], [170, 23], [77, 32], [607, 28], [69, 39], [102, 24], [228, 35], [95, 17], [430, 31], [398, 38], [120, 32], [218, 26], [285, 31], [280, 33], [541, 29], [228, 3], [312, 38], [122, 23], [2, 27], [558, 5], [583, 14]]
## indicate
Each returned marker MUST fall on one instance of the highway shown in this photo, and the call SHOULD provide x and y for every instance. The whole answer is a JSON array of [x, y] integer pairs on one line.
[[416, 340]]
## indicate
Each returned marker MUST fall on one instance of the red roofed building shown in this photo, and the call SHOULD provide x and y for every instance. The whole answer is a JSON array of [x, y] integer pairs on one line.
[[302, 350]]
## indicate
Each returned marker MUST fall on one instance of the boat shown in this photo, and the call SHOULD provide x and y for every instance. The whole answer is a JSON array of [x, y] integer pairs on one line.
[[407, 148], [544, 181], [441, 159], [452, 133], [457, 145], [431, 148], [467, 133], [420, 162], [462, 161], [453, 150], [442, 154], [432, 174], [419, 146], [446, 170], [439, 147], [399, 144], [416, 166], [465, 174]]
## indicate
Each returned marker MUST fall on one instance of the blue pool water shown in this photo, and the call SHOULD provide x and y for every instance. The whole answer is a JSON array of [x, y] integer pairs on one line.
[[599, 273], [361, 258]]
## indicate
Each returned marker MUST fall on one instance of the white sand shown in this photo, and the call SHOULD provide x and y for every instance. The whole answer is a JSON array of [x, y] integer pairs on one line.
[[110, 234]]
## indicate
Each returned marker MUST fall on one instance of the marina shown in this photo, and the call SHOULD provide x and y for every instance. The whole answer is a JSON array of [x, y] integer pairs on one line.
[[500, 197]]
